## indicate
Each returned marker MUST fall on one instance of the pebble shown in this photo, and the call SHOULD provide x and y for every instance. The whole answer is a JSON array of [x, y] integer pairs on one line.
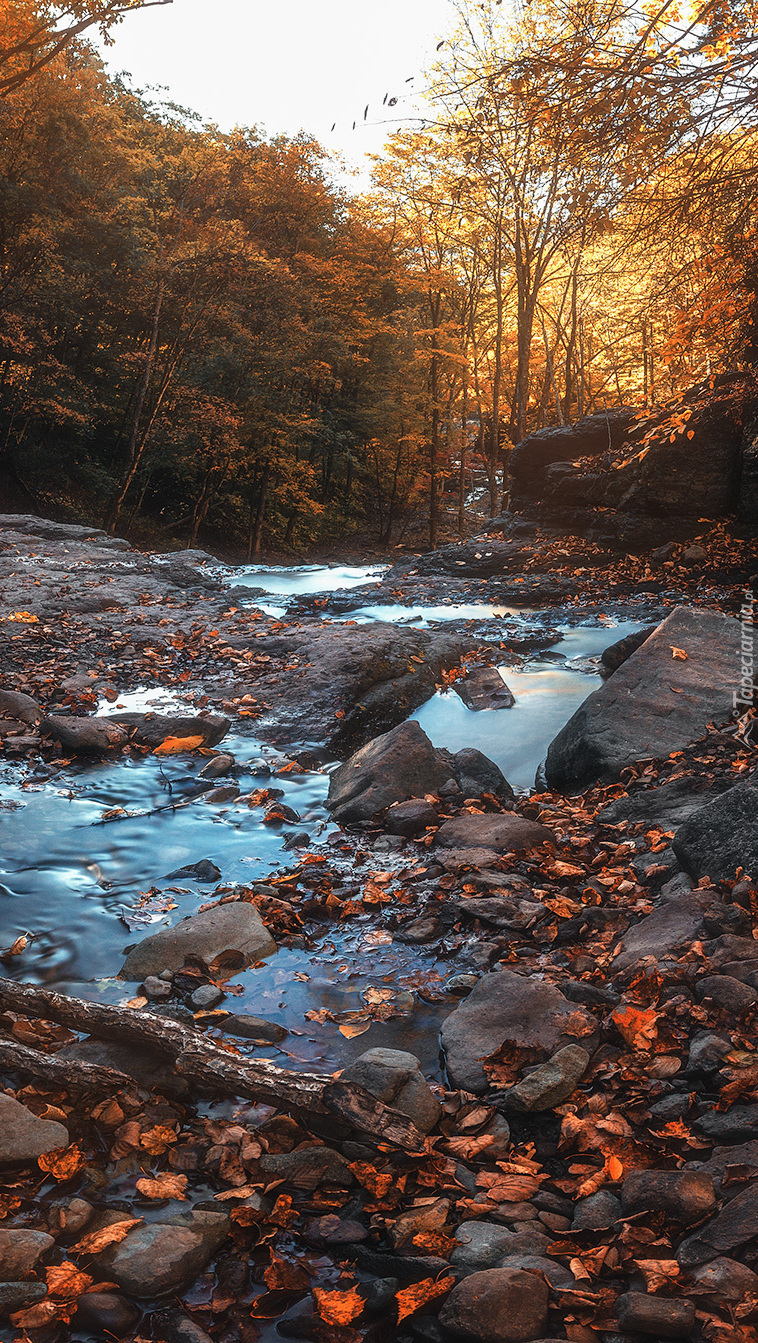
[[551, 1083], [20, 1250], [730, 1280], [254, 1028], [107, 1311], [395, 1077], [156, 989], [206, 997], [461, 985], [727, 993], [18, 1295], [596, 1213], [23, 1136]]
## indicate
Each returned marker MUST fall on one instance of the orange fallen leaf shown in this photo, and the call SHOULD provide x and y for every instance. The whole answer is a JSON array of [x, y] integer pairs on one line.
[[109, 1235], [678, 653], [615, 1168], [338, 1308], [637, 1025], [164, 1186], [412, 1298], [175, 745], [352, 1028], [62, 1162], [157, 1140], [378, 1183]]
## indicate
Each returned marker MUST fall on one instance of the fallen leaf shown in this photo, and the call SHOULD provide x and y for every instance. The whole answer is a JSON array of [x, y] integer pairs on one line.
[[678, 653], [338, 1308], [352, 1028], [164, 1186], [62, 1162], [109, 1235], [412, 1298], [175, 745], [637, 1025]]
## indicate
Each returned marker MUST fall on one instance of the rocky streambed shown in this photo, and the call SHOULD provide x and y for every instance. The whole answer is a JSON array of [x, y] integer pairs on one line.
[[318, 830]]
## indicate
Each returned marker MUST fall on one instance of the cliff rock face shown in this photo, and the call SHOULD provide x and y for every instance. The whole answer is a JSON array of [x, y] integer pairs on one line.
[[698, 460]]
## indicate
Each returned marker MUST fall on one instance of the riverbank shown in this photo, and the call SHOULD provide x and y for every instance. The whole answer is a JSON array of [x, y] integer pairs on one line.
[[590, 1127]]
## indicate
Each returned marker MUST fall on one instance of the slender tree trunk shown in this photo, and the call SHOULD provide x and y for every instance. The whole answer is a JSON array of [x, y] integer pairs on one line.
[[260, 512], [462, 464], [434, 444], [134, 452]]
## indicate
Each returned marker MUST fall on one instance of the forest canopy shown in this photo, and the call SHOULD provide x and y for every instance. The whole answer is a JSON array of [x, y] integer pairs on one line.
[[204, 333]]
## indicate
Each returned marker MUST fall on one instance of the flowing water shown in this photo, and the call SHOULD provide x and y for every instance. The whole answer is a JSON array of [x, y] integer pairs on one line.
[[85, 855]]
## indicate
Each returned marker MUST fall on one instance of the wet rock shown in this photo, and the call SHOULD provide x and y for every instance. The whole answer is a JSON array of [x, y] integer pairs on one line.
[[500, 833], [461, 985], [484, 688], [500, 1305], [18, 1295], [88, 736], [617, 654], [254, 1028], [226, 792], [156, 990], [395, 1077], [22, 708], [379, 1294], [654, 704], [420, 931], [684, 1195], [109, 1312], [727, 993], [551, 1083], [152, 729], [598, 1212], [738, 1123], [162, 1257], [24, 1137], [68, 1217], [727, 1279], [656, 1315], [399, 765], [217, 767], [480, 1245], [707, 1052], [234, 927], [734, 1226], [308, 1167], [181, 1329], [20, 1250], [671, 927], [411, 817], [206, 997], [722, 836], [476, 774], [527, 1012]]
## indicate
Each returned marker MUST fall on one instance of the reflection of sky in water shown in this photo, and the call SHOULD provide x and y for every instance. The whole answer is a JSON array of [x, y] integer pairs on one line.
[[307, 578], [422, 616], [547, 694]]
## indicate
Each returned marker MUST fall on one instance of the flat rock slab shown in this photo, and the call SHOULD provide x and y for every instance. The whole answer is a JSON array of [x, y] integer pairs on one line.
[[162, 1257], [23, 1136], [527, 1012], [233, 927], [663, 933], [654, 704], [484, 688], [735, 1225], [502, 833], [722, 835], [668, 806]]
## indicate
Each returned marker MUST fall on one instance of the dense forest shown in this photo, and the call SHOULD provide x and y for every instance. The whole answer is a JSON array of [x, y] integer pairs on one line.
[[206, 335]]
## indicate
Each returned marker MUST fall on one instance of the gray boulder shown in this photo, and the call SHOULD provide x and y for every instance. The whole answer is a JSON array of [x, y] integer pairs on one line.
[[551, 1083], [721, 836], [499, 1305], [734, 1226], [668, 806], [90, 736], [525, 1011], [667, 930], [654, 704], [14, 704], [234, 927], [501, 833], [475, 774], [399, 765], [163, 1257], [151, 729], [395, 1077], [23, 1136]]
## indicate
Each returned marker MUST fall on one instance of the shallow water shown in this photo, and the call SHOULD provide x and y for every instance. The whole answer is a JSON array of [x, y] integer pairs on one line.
[[67, 875]]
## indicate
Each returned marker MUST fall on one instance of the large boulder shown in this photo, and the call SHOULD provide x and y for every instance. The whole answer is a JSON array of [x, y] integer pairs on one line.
[[589, 437], [505, 1007], [668, 806], [498, 1305], [398, 765], [152, 729], [662, 699], [234, 927], [163, 1257], [395, 1077], [722, 836]]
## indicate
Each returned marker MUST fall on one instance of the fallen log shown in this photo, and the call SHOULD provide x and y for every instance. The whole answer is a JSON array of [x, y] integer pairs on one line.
[[204, 1062], [80, 1076]]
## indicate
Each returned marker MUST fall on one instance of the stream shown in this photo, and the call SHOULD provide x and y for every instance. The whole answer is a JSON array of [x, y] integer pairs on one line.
[[85, 859]]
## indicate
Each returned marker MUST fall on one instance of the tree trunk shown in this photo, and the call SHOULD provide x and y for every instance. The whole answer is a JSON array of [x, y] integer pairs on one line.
[[260, 512], [134, 453]]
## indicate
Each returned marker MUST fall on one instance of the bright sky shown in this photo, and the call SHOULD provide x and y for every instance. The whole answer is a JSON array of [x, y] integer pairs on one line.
[[298, 64]]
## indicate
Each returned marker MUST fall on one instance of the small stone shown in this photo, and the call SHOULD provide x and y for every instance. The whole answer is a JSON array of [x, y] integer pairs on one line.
[[181, 1329], [379, 1294], [734, 1125], [156, 989], [727, 1278], [598, 1212], [69, 1217], [461, 985], [707, 1052], [216, 767], [226, 792], [684, 1195], [203, 870], [162, 1257], [20, 1250], [308, 1167], [206, 997], [86, 736], [24, 1137], [411, 817], [254, 1028], [551, 1083], [107, 1311], [394, 1077], [727, 993], [656, 1315], [18, 1295], [500, 1305], [418, 932]]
